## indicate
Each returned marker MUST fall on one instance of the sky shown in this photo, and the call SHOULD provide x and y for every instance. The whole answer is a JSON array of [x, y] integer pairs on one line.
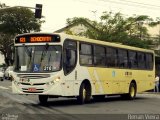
[[57, 11]]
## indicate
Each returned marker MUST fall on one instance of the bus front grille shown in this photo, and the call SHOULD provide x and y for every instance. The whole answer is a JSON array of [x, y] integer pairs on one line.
[[33, 76], [33, 92], [33, 84]]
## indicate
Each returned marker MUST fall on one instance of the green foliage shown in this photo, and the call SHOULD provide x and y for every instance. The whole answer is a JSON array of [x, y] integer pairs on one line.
[[18, 20], [15, 21], [117, 28], [155, 23], [133, 41]]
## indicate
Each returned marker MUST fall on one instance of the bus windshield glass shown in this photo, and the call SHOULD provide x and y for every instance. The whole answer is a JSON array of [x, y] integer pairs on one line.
[[44, 58]]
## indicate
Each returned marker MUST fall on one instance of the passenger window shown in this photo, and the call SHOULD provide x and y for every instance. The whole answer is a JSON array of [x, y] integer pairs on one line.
[[86, 56], [99, 56], [149, 61], [111, 56], [122, 58], [141, 60], [132, 59]]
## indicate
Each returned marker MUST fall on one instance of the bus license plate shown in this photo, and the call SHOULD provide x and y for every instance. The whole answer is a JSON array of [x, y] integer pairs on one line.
[[32, 89]]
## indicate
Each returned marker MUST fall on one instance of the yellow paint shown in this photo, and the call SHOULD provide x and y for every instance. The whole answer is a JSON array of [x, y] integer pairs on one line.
[[94, 81], [109, 84]]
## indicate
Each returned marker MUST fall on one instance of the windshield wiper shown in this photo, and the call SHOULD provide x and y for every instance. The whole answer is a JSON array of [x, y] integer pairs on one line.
[[29, 52], [49, 58], [44, 52]]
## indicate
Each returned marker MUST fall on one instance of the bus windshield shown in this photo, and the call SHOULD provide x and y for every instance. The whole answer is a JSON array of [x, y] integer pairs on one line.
[[44, 58]]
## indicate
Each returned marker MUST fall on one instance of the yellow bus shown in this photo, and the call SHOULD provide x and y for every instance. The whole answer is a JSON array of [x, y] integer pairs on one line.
[[59, 65]]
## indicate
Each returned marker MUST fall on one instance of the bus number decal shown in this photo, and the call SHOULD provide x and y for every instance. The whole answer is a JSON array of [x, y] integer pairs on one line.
[[22, 40], [47, 68]]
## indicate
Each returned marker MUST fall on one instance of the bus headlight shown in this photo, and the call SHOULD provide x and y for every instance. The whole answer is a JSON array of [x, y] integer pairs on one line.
[[57, 79]]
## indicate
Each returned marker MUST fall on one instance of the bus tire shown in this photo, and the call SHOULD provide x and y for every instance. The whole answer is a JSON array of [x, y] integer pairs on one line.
[[132, 91], [43, 99], [84, 94]]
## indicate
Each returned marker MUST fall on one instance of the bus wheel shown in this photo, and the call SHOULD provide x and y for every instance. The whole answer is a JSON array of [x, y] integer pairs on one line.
[[43, 99], [84, 94], [132, 91]]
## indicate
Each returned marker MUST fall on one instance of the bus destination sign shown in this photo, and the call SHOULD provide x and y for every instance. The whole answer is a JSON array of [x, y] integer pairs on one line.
[[37, 38]]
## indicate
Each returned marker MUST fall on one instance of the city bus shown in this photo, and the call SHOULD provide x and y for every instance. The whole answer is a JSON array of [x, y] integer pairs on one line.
[[59, 65]]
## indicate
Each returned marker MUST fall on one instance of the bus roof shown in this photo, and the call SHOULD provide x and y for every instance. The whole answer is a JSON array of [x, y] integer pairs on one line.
[[84, 39], [100, 42]]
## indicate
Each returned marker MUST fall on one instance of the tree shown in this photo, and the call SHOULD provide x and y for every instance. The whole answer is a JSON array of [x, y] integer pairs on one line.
[[5, 41], [18, 20], [15, 21], [116, 28], [136, 27]]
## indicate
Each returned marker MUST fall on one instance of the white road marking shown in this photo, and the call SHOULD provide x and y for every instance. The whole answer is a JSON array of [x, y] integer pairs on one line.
[[1, 87]]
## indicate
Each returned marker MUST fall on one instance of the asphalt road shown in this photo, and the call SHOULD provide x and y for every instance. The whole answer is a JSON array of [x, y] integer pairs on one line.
[[22, 107]]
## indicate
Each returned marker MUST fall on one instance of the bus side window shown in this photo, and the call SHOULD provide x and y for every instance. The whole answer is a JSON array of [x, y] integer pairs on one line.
[[112, 60], [149, 61], [86, 54], [133, 63], [141, 60], [99, 56], [122, 58], [69, 56]]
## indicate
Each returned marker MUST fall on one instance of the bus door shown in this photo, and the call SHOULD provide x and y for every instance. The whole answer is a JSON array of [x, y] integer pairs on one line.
[[69, 66]]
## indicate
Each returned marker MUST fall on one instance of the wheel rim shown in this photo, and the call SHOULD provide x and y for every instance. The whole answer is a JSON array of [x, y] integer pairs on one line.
[[132, 92], [84, 94]]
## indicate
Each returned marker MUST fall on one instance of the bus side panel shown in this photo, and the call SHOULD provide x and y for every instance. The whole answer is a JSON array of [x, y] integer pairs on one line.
[[117, 81], [144, 80], [101, 83]]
